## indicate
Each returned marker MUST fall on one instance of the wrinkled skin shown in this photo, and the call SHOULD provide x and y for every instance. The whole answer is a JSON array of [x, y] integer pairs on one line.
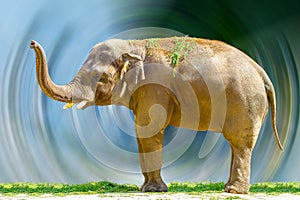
[[184, 82]]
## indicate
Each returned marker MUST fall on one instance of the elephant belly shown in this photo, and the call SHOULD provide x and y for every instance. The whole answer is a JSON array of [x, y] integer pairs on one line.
[[198, 118], [204, 108]]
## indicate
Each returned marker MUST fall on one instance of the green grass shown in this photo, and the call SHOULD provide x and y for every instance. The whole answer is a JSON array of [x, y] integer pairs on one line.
[[152, 43], [107, 187], [182, 47], [62, 189], [267, 188], [196, 187], [274, 188]]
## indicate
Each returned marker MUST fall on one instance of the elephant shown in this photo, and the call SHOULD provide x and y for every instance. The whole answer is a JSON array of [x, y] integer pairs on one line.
[[193, 83]]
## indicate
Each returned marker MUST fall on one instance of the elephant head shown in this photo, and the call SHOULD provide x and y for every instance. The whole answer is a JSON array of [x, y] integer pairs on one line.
[[93, 85]]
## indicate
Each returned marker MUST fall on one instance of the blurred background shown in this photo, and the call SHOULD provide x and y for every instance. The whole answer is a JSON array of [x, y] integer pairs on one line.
[[41, 142]]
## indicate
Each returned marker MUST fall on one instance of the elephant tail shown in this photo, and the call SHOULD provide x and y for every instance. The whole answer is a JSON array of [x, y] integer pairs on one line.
[[272, 102]]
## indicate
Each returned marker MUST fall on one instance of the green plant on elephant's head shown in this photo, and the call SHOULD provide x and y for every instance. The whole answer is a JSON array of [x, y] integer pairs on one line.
[[151, 43], [182, 47], [175, 59]]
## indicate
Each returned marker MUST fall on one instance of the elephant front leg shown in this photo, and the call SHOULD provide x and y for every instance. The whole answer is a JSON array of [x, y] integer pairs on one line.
[[152, 115], [150, 156], [150, 134]]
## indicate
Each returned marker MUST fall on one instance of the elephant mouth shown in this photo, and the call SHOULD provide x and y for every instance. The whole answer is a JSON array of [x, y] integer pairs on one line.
[[81, 105]]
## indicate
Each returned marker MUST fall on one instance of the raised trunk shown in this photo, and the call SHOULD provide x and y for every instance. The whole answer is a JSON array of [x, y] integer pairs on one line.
[[57, 92]]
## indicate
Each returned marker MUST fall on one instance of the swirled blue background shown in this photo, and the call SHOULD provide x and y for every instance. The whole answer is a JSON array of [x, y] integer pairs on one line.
[[41, 142]]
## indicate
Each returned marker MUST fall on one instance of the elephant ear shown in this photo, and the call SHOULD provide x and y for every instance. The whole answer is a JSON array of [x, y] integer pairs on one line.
[[131, 73], [133, 61]]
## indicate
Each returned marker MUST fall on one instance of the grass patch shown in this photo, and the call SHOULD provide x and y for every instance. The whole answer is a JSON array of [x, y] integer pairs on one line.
[[152, 43], [107, 187], [182, 47], [275, 188], [62, 189], [196, 187]]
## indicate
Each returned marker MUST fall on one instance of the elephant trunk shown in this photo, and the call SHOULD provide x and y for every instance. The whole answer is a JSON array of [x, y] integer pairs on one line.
[[57, 92]]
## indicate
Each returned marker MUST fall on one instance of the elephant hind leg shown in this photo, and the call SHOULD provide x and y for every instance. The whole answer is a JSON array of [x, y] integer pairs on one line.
[[239, 179], [229, 178], [241, 146]]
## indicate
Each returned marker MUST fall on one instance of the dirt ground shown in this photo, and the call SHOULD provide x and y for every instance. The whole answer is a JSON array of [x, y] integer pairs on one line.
[[153, 196]]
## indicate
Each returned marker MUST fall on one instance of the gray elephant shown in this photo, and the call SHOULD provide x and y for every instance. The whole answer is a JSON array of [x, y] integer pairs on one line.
[[186, 82]]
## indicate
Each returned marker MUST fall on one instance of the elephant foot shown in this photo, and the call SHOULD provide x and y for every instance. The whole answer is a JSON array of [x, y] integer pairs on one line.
[[237, 188], [154, 186]]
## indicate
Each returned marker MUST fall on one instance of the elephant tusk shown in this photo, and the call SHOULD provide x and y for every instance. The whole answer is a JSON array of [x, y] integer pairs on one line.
[[68, 105], [123, 89], [82, 104], [124, 69]]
